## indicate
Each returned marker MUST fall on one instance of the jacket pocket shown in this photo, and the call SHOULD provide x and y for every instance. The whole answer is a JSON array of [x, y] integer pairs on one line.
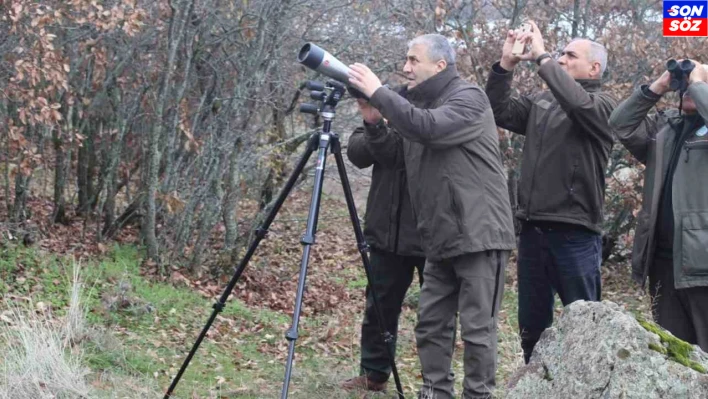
[[572, 180], [571, 189], [455, 206], [575, 193], [696, 145], [694, 243], [542, 108]]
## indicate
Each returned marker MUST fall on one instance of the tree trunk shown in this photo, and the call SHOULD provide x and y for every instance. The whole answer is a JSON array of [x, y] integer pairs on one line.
[[233, 191], [170, 137], [278, 156], [585, 19], [82, 178], [22, 182], [200, 195], [61, 154], [576, 17], [176, 32], [8, 204], [21, 189], [208, 217], [91, 186], [130, 214], [113, 163]]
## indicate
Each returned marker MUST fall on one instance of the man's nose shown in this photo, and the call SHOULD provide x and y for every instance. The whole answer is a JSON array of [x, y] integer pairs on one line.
[[407, 68]]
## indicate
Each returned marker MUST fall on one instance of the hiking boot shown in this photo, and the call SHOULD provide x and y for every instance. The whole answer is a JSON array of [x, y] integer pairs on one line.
[[362, 383]]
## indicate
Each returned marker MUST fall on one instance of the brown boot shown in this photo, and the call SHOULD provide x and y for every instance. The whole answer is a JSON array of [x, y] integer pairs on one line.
[[362, 383]]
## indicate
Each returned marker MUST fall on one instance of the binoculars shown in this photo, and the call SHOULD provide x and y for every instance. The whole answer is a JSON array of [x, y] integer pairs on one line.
[[680, 71]]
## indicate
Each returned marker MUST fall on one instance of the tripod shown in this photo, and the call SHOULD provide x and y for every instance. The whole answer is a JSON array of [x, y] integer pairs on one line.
[[321, 141]]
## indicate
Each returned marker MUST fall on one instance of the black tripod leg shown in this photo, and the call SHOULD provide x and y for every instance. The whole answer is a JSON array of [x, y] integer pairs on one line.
[[363, 249], [260, 234], [307, 240]]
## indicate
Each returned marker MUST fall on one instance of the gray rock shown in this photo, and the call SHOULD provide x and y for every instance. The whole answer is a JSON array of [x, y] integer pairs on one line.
[[599, 350]]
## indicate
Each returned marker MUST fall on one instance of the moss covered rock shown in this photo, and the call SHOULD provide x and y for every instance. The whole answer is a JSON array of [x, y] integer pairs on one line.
[[676, 349], [599, 350]]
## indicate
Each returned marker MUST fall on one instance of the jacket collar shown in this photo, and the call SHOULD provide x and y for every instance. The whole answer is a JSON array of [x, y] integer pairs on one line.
[[590, 85], [434, 86]]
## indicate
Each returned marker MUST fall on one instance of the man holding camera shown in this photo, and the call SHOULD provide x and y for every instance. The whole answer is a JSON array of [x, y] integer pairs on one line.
[[671, 237], [562, 185], [458, 191], [389, 228]]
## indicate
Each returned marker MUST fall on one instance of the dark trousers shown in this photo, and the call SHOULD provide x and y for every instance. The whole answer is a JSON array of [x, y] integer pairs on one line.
[[391, 275], [684, 312], [563, 259]]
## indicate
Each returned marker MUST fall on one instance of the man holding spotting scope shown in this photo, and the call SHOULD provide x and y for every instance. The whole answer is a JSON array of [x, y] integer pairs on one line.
[[671, 237], [459, 196]]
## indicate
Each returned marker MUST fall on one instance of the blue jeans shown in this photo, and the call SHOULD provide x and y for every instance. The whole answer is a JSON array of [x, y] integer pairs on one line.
[[554, 258]]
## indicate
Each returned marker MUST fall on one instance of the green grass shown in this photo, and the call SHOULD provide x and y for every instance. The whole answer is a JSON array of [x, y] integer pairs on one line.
[[145, 342], [244, 352], [358, 283]]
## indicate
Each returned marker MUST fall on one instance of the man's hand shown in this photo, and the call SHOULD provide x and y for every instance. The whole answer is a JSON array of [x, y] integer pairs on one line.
[[363, 79], [661, 85], [509, 60], [537, 46], [699, 73], [370, 114]]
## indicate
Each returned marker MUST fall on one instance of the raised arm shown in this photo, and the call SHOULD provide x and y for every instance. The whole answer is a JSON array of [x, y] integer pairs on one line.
[[590, 111], [456, 121], [509, 112], [632, 125]]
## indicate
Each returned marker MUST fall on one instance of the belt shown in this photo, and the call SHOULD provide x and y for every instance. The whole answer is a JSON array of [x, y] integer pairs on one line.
[[546, 227]]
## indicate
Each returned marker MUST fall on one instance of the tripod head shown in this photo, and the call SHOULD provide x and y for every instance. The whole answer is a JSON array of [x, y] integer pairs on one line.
[[327, 96]]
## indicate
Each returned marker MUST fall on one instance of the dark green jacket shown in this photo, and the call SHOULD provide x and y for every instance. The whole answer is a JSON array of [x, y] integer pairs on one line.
[[456, 179], [567, 145], [650, 138], [389, 224]]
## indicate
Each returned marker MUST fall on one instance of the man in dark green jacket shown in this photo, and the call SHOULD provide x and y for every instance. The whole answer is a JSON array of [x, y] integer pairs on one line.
[[562, 185], [671, 237], [396, 254], [460, 200]]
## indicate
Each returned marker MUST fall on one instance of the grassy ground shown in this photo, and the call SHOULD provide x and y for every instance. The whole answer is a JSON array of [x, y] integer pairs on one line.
[[140, 326], [141, 331]]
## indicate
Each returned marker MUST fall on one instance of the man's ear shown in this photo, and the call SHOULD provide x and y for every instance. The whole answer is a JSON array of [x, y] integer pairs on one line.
[[441, 65], [596, 70]]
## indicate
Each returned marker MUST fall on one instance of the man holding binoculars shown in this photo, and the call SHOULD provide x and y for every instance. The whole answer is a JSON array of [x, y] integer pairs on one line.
[[672, 227]]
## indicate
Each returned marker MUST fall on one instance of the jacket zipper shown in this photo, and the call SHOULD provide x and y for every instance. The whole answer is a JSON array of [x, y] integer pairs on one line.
[[496, 283], [533, 175], [399, 211]]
